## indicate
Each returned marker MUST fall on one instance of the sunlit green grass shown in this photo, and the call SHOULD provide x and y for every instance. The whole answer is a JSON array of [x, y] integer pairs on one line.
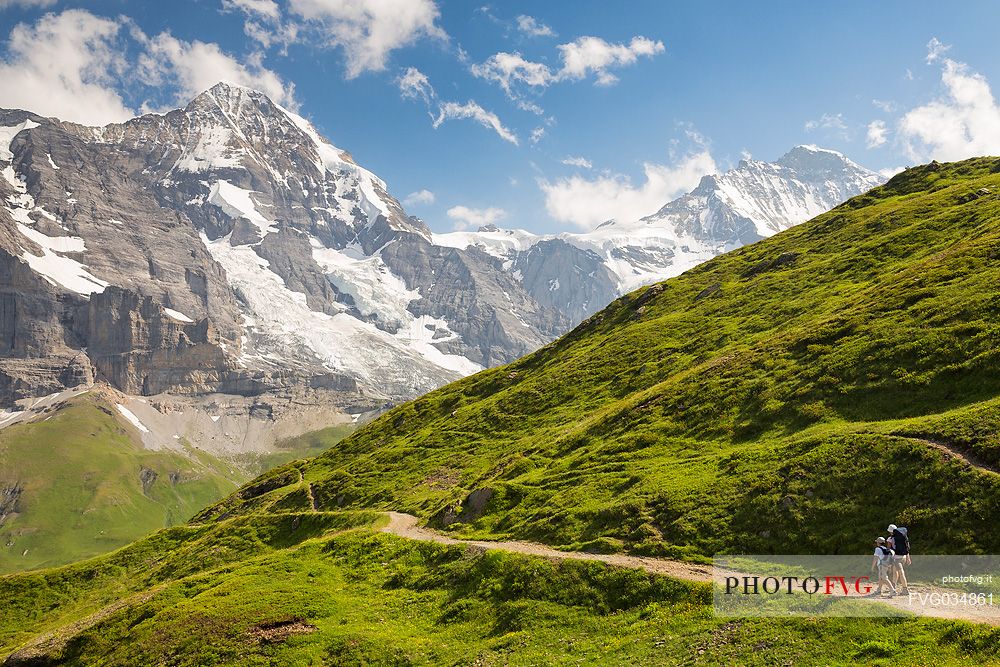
[[82, 495], [79, 469], [367, 598]]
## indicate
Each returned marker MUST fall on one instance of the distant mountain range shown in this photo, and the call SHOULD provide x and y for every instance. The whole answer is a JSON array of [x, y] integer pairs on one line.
[[228, 248], [751, 202]]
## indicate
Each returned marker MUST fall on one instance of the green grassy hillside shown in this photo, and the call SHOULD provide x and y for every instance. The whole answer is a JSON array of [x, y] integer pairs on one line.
[[323, 588], [87, 486], [776, 399], [792, 396]]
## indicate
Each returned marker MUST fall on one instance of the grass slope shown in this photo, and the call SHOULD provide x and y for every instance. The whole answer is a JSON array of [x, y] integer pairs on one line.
[[80, 475], [775, 399], [308, 588]]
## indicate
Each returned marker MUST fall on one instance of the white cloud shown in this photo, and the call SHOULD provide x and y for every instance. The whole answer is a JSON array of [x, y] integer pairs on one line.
[[265, 8], [593, 54], [464, 217], [887, 106], [878, 133], [263, 22], [270, 33], [4, 4], [936, 49], [581, 162], [66, 65], [530, 107], [827, 122], [963, 122], [509, 68], [537, 134], [587, 202], [414, 84], [193, 67], [580, 58], [71, 65], [369, 30], [418, 198], [472, 111], [532, 27]]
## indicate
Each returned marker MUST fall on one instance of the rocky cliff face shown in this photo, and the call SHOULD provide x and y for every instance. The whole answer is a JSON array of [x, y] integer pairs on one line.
[[227, 247]]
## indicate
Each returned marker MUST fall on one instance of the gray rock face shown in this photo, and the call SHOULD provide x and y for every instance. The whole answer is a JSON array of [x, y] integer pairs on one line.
[[140, 349], [9, 498], [565, 278], [226, 247], [481, 301]]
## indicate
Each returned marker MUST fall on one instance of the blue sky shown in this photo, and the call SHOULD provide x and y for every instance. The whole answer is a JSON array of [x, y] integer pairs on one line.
[[660, 93]]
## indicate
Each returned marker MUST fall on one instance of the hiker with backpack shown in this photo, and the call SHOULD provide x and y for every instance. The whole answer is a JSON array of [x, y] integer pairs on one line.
[[883, 560], [899, 542]]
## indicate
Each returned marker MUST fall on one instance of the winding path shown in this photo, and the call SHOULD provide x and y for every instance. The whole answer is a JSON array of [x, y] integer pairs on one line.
[[953, 451], [407, 526]]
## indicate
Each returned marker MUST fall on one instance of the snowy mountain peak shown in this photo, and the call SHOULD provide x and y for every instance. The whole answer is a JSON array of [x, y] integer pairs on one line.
[[231, 128], [751, 201], [809, 159]]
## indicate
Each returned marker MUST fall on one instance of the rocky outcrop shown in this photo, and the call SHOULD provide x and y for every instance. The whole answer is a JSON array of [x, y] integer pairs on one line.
[[567, 279], [40, 338], [10, 496], [141, 349], [497, 321]]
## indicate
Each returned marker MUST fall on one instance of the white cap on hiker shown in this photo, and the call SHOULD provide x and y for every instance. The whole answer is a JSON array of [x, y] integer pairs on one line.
[[880, 540], [892, 527]]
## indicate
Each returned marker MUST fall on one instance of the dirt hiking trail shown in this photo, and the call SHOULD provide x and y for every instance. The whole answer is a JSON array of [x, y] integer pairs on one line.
[[407, 525]]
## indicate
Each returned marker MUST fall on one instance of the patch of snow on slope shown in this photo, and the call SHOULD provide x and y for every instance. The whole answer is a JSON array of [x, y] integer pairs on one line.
[[211, 151], [280, 325], [130, 416], [375, 289], [332, 159], [419, 335], [11, 177], [51, 265], [499, 242], [177, 315], [7, 135], [59, 270], [237, 203], [51, 163]]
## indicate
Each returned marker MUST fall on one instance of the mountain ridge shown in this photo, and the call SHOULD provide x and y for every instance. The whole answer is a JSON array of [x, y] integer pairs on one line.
[[752, 201]]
